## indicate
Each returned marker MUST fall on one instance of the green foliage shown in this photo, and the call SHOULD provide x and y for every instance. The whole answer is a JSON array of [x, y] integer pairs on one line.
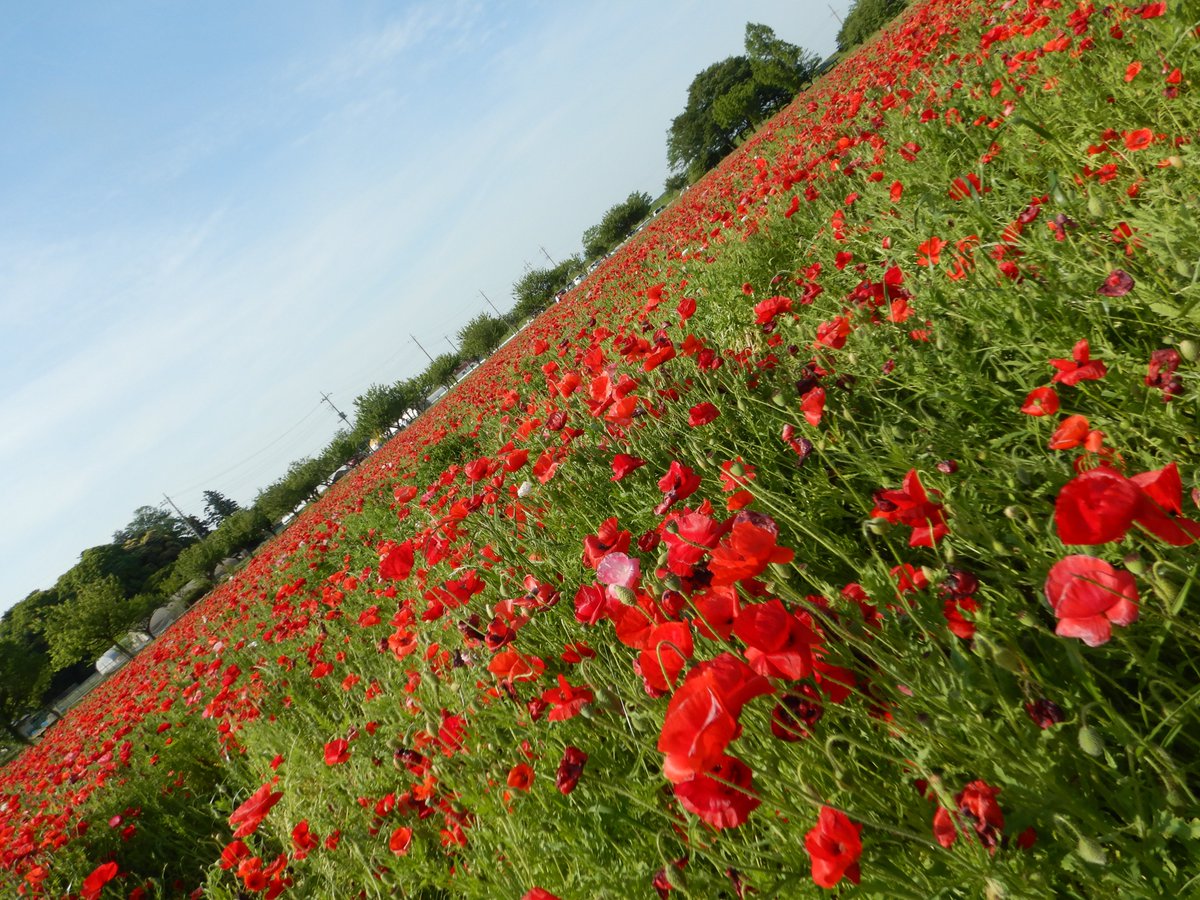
[[152, 519], [242, 530], [381, 405], [483, 334], [731, 97], [865, 18], [441, 370], [618, 222], [676, 181], [98, 617], [24, 678], [453, 448], [535, 290], [776, 63], [217, 508]]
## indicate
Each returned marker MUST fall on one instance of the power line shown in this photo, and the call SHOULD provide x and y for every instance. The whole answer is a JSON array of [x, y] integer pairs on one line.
[[247, 459]]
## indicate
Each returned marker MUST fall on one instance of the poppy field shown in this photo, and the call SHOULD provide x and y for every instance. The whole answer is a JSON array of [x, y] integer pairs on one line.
[[838, 535]]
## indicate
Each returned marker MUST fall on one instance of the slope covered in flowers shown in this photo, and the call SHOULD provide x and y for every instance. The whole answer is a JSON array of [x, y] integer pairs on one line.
[[840, 531]]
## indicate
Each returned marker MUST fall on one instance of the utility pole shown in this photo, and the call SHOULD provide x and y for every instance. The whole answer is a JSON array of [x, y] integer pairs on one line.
[[835, 15], [341, 415], [547, 255], [452, 344], [423, 350], [491, 304], [184, 519]]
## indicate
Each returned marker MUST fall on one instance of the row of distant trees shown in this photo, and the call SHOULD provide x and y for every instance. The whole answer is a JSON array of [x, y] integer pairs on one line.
[[50, 640]]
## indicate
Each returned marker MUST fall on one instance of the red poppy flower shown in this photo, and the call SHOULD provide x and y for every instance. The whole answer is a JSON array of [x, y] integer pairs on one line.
[[303, 840], [747, 550], [1096, 507], [834, 845], [812, 404], [1138, 140], [1081, 367], [400, 840], [337, 752], [911, 506], [1088, 597], [520, 777], [766, 311], [395, 560], [1101, 505], [100, 876], [702, 414], [623, 464], [702, 717], [567, 701], [1071, 432], [1041, 401], [720, 796], [249, 815]]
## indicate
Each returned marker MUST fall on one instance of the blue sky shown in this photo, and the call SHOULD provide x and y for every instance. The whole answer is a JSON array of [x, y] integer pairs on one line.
[[211, 213]]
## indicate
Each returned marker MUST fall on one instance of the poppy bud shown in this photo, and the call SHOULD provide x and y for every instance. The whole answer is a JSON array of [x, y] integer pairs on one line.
[[779, 400], [1095, 205], [1189, 350], [1014, 512], [622, 593], [1007, 660], [1134, 563], [876, 526], [1090, 742], [1090, 851]]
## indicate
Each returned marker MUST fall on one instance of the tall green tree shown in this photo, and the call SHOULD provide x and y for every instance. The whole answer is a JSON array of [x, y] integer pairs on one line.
[[98, 618], [380, 405], [534, 290], [440, 372], [731, 97], [481, 336], [616, 224], [777, 64], [151, 518], [24, 678], [217, 508]]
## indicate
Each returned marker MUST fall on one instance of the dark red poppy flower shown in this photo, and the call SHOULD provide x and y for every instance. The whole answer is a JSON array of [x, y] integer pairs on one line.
[[570, 768], [1045, 713], [975, 809], [834, 844], [911, 506], [720, 796], [1088, 597], [1161, 373], [1118, 283]]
